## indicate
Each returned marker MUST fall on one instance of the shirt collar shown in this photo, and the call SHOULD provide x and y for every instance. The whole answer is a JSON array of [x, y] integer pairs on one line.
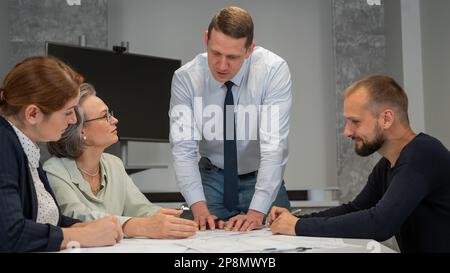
[[30, 148]]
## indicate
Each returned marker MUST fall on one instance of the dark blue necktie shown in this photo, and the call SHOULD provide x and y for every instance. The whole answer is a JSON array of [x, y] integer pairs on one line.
[[230, 192]]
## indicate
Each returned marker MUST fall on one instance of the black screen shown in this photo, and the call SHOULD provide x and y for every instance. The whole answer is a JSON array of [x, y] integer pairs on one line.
[[135, 87]]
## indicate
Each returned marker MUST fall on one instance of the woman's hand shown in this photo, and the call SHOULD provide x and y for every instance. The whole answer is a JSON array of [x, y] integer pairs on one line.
[[105, 231], [164, 224]]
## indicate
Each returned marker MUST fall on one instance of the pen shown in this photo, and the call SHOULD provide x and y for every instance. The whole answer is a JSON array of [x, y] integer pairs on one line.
[[184, 208], [279, 250], [296, 212]]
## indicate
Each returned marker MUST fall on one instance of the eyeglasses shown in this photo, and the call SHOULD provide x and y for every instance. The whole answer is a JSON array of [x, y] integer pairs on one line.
[[108, 116]]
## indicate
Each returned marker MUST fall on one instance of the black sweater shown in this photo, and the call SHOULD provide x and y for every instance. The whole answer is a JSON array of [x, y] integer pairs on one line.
[[410, 200]]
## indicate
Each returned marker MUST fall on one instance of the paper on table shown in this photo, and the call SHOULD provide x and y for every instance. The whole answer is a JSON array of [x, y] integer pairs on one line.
[[222, 241], [255, 241], [315, 242], [222, 233], [134, 245]]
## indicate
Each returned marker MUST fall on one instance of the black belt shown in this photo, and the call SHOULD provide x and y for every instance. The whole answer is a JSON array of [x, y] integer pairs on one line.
[[245, 175], [205, 163], [248, 174]]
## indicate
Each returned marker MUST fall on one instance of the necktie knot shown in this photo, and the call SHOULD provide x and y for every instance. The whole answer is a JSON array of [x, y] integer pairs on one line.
[[229, 85]]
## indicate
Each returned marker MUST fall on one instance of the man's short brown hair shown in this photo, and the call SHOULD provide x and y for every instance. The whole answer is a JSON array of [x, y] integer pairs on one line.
[[234, 22], [383, 91]]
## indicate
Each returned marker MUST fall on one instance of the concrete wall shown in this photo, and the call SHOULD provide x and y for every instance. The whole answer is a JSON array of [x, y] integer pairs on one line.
[[4, 39], [32, 23], [299, 31], [359, 50]]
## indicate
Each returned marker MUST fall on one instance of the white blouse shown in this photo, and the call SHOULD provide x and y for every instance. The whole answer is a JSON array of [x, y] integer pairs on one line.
[[47, 212]]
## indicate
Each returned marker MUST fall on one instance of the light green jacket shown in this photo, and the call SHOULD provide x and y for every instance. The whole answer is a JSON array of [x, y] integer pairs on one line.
[[119, 195]]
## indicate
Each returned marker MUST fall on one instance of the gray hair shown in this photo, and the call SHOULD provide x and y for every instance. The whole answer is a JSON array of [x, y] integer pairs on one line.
[[71, 144]]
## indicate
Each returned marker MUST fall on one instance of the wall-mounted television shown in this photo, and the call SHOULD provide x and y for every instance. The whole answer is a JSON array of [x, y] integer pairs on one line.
[[136, 87]]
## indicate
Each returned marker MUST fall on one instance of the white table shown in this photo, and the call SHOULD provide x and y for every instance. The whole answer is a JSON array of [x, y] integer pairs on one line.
[[260, 241]]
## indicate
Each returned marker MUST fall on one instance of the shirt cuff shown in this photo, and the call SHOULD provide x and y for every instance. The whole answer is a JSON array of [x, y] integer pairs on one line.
[[310, 227], [55, 238], [260, 204], [123, 220], [194, 197]]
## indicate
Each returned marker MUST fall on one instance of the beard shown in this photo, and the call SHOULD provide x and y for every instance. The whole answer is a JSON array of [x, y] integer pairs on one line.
[[370, 147]]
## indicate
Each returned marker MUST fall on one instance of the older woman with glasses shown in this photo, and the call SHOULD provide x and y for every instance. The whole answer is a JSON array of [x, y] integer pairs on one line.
[[90, 184]]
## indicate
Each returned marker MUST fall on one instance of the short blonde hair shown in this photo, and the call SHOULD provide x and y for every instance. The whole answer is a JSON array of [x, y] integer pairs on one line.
[[383, 91]]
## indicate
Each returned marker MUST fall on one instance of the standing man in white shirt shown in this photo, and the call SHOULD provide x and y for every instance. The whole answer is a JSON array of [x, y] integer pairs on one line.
[[229, 114]]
